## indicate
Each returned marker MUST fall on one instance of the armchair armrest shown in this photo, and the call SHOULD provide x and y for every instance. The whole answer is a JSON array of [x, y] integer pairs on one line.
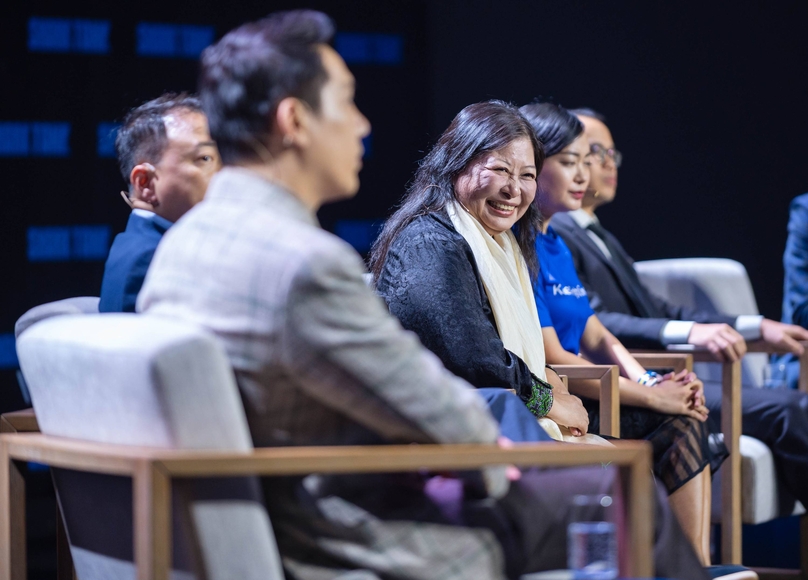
[[152, 470], [609, 391], [19, 421], [765, 347], [656, 360]]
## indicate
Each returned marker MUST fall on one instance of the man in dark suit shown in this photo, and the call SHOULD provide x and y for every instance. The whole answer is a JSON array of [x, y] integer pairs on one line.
[[795, 282], [167, 156], [642, 320]]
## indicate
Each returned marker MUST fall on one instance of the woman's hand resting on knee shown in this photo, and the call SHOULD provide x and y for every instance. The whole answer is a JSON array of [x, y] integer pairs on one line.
[[567, 409]]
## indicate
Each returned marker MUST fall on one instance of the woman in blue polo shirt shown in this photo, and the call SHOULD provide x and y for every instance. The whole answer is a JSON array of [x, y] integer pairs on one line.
[[671, 414]]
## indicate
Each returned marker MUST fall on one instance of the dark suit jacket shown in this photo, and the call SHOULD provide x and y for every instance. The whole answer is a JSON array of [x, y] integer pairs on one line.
[[128, 260], [611, 295], [795, 264]]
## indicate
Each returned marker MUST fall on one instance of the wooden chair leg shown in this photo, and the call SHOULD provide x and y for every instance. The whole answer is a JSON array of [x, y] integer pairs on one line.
[[610, 403], [804, 546], [64, 560], [641, 518], [152, 522], [731, 550], [13, 549]]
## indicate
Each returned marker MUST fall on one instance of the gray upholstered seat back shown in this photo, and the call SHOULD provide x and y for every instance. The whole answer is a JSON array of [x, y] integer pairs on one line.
[[78, 305], [711, 284], [138, 380]]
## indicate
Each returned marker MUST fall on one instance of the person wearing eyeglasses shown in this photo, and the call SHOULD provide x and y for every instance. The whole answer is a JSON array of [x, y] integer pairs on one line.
[[778, 417], [634, 315]]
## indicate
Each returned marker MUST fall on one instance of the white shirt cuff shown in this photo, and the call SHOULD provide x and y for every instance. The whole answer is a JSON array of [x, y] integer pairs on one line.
[[676, 331], [748, 325]]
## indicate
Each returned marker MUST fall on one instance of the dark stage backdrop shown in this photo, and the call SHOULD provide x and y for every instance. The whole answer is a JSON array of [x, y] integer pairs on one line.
[[69, 73], [705, 99], [705, 102]]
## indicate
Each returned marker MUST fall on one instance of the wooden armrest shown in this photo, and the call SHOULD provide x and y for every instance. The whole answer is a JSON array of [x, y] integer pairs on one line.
[[19, 422], [276, 461], [763, 346], [609, 392], [665, 360], [699, 353], [152, 469]]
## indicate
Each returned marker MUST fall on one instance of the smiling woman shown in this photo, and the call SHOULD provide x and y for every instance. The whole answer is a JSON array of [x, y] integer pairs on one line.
[[450, 268], [499, 187]]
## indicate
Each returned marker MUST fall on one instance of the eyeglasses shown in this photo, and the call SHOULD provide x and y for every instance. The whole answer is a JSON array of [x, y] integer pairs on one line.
[[600, 153]]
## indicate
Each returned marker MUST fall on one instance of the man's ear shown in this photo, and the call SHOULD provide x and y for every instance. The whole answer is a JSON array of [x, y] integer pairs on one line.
[[142, 179], [292, 122]]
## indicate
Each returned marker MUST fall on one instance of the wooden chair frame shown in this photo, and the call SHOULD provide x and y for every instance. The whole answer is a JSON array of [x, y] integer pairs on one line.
[[764, 347], [731, 427], [153, 469], [607, 375]]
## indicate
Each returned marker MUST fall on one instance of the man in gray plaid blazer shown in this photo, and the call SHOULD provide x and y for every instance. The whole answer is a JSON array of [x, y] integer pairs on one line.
[[318, 358]]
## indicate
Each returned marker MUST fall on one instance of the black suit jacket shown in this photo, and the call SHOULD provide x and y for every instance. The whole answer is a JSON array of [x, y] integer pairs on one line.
[[431, 284], [612, 296]]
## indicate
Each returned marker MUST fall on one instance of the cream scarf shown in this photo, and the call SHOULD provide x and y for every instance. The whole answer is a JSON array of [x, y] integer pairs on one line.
[[507, 284]]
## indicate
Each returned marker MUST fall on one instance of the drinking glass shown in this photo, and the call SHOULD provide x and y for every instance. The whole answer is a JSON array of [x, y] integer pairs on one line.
[[592, 539], [774, 376]]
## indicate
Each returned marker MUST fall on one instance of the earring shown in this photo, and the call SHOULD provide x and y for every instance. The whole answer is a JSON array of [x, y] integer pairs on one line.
[[597, 193]]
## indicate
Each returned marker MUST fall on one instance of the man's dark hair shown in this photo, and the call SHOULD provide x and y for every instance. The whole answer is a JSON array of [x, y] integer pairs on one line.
[[555, 126], [588, 112], [253, 68], [475, 131], [142, 137]]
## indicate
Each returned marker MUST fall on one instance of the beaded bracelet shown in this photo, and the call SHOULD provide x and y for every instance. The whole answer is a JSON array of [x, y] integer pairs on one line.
[[541, 397], [649, 379]]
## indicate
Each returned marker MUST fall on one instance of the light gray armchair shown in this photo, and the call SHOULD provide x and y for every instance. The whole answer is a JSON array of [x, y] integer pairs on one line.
[[124, 380], [130, 407], [723, 286]]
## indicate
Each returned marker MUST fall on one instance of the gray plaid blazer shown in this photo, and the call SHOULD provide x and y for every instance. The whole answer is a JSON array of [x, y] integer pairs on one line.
[[319, 360]]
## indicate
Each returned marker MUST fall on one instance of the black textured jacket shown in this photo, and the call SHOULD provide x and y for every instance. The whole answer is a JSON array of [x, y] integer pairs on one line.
[[431, 283]]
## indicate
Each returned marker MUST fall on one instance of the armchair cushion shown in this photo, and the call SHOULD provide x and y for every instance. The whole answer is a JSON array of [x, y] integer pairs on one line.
[[763, 499]]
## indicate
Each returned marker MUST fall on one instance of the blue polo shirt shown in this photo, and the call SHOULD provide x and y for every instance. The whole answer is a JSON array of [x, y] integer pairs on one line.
[[561, 299]]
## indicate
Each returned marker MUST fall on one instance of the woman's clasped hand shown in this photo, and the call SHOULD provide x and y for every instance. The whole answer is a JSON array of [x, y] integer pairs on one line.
[[680, 394]]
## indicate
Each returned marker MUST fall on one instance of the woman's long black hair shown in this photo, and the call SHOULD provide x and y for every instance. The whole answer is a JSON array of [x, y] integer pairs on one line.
[[555, 126], [475, 131]]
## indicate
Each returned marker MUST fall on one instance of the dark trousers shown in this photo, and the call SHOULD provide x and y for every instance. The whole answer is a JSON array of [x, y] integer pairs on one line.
[[538, 508], [531, 520], [779, 418]]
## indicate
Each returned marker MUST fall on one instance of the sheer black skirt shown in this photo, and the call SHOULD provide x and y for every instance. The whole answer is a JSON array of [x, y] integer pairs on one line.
[[682, 446]]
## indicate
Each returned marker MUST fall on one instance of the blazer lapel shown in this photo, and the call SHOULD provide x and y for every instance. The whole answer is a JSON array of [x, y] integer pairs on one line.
[[626, 285]]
